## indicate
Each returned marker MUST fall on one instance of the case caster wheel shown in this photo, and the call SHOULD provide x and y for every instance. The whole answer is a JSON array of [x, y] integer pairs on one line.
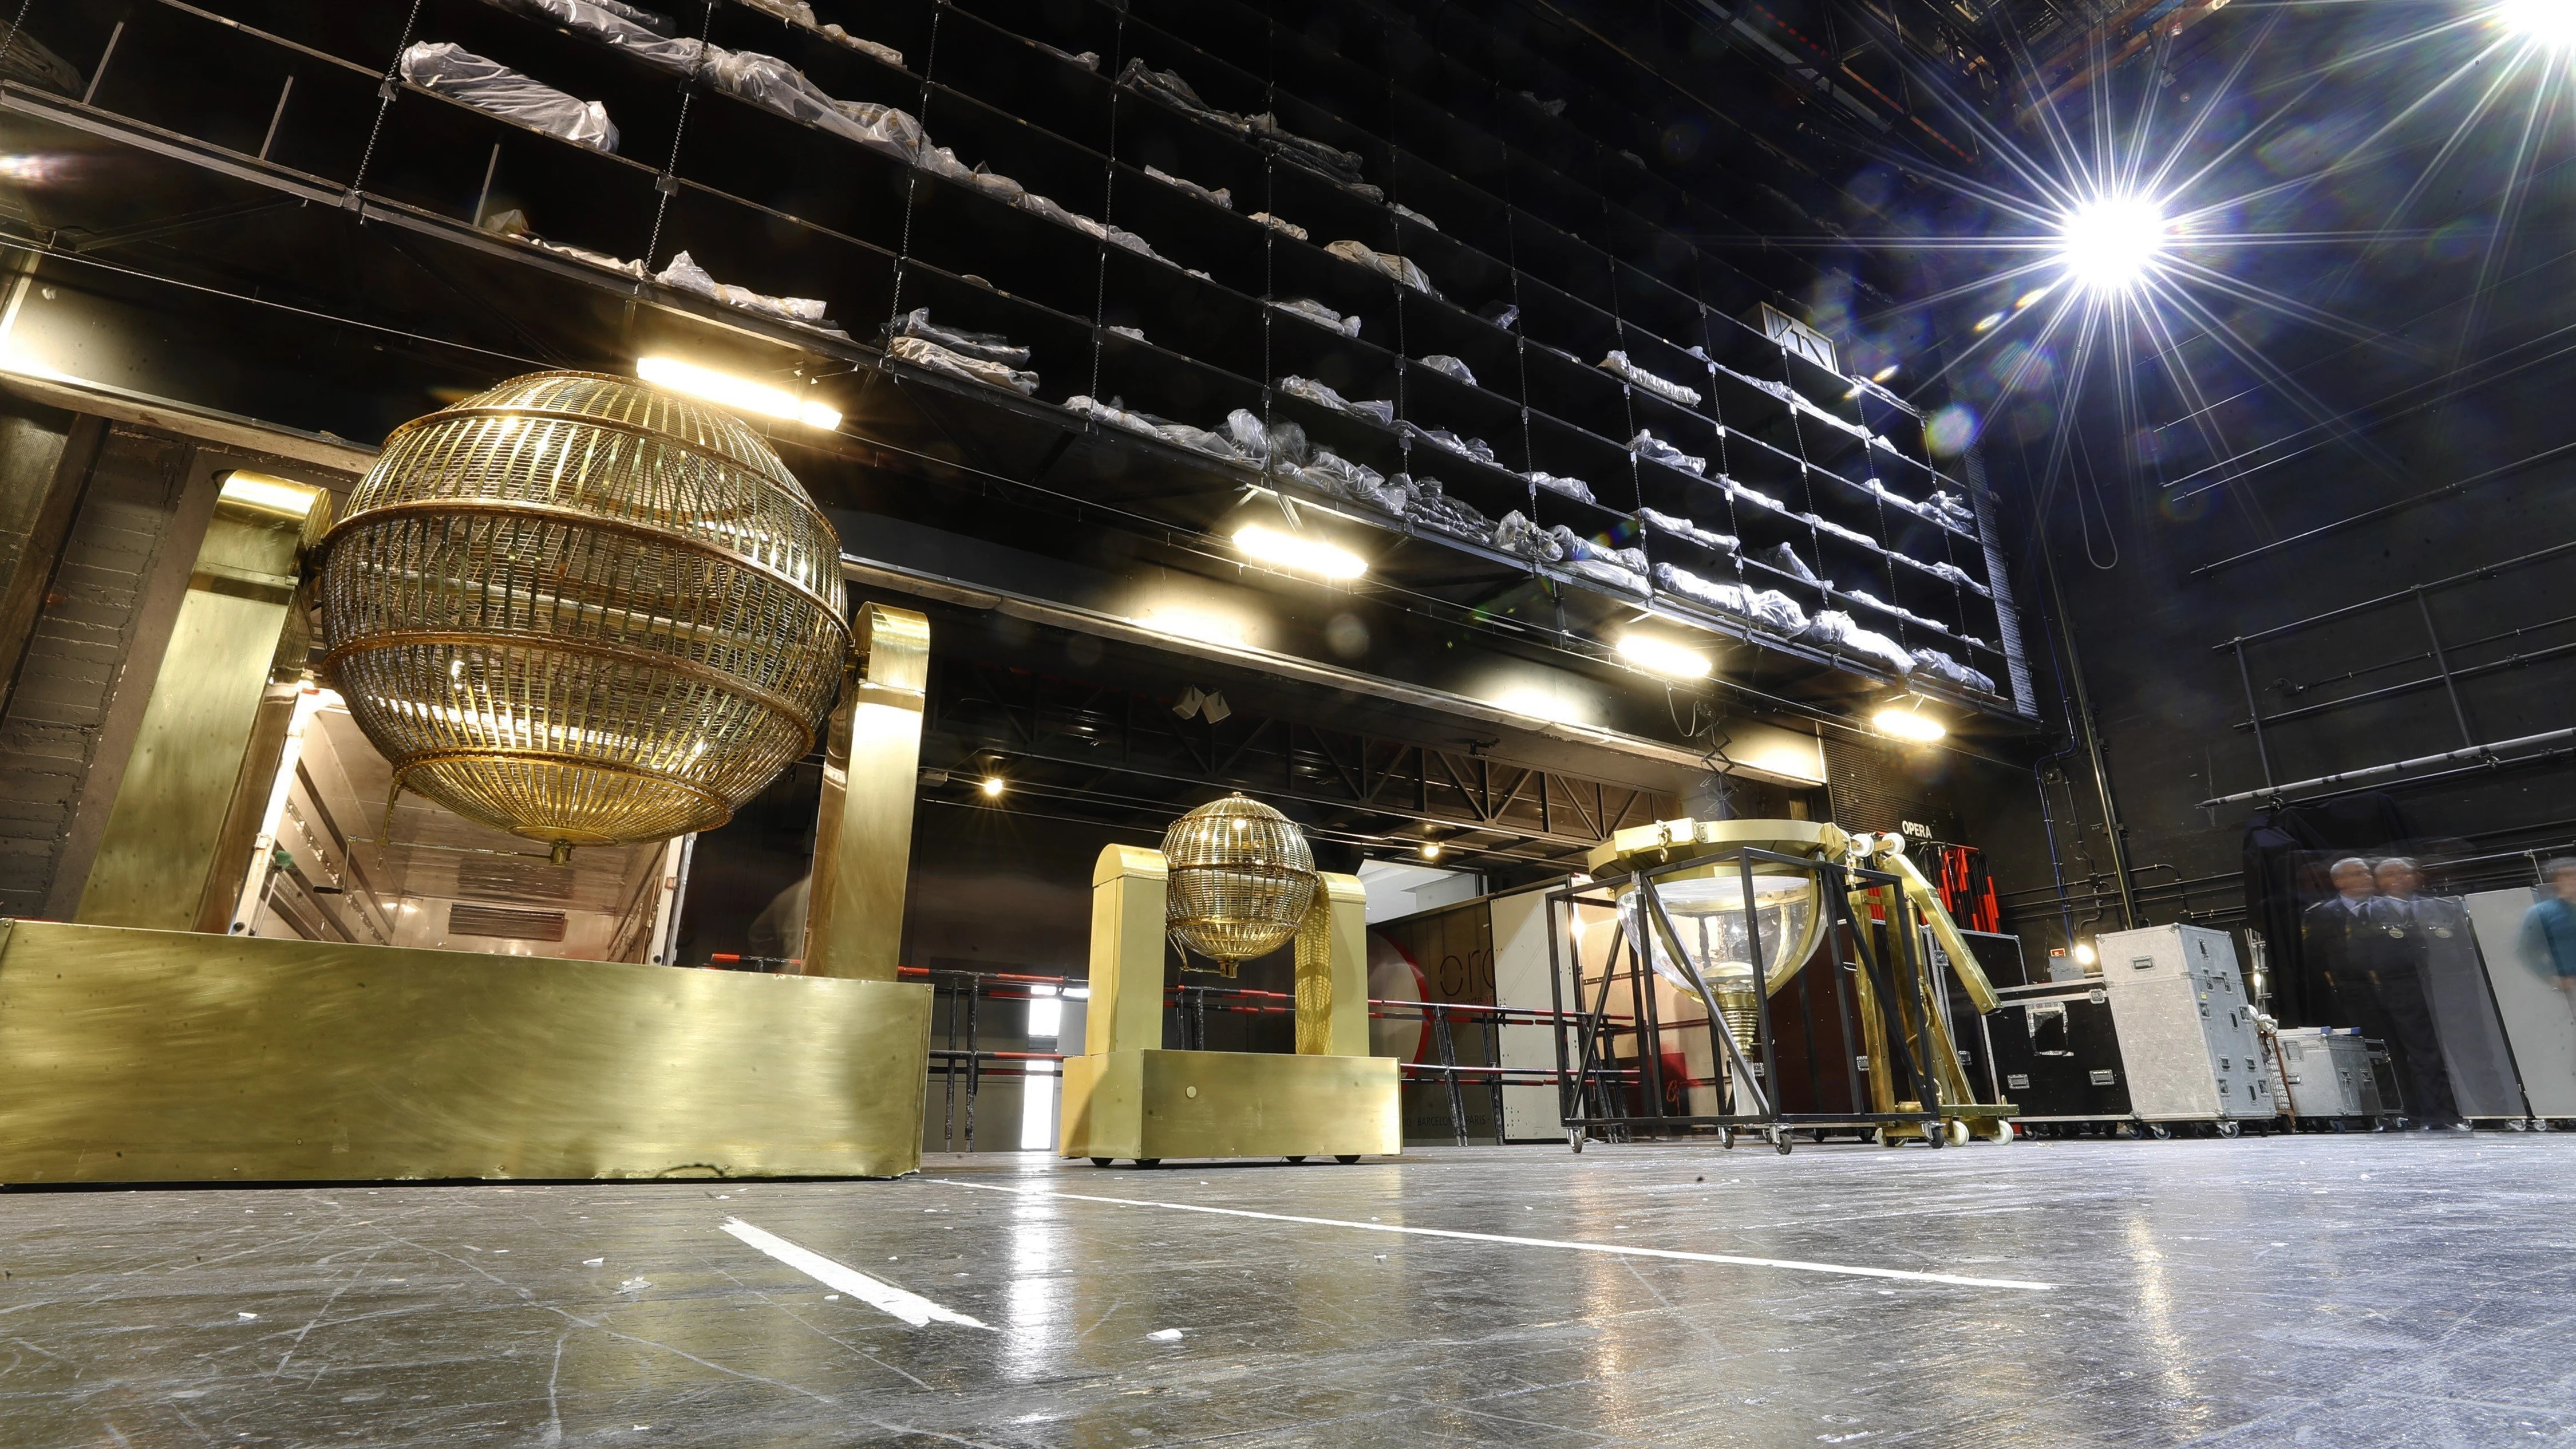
[[2159, 1131], [1884, 1138], [1779, 1141], [1726, 1137], [1574, 1140], [1961, 1134], [1935, 1135], [2230, 1129], [1149, 1162], [1300, 1157], [2004, 1133], [1346, 1158], [1102, 1161]]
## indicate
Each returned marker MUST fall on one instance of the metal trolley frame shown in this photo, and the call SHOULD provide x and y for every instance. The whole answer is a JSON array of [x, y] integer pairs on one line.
[[1593, 1084]]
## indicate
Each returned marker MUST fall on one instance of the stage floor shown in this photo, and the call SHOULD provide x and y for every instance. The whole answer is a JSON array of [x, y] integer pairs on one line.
[[2350, 1291]]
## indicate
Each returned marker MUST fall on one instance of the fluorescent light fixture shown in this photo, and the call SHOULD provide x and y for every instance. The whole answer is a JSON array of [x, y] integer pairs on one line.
[[1304, 554], [1899, 723], [1078, 993], [992, 786], [268, 494], [1195, 626], [1046, 1017], [2551, 23], [1659, 655], [2111, 243], [739, 393]]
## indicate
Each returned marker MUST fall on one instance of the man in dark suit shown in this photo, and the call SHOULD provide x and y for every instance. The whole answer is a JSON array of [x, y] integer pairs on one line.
[[2340, 942], [2396, 925]]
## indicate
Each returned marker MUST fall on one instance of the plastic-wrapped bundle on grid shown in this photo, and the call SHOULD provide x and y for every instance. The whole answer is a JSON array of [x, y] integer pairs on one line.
[[1409, 214], [1387, 264], [1516, 534], [1623, 569], [1863, 596], [1942, 667], [1447, 366], [797, 12], [1952, 573], [1330, 162], [1115, 413], [1954, 510], [1761, 606], [1447, 441], [1428, 504], [513, 224], [1618, 365], [640, 33], [1574, 488], [1646, 445], [1826, 525], [1321, 395], [31, 64], [1682, 527], [1754, 496], [1218, 196], [983, 346], [1280, 224], [984, 357], [1785, 558], [684, 274], [491, 87], [1836, 631], [1319, 314], [1088, 60]]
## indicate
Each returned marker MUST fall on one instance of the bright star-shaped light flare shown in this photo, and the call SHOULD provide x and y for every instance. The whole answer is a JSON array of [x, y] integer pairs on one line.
[[2550, 23], [2111, 243]]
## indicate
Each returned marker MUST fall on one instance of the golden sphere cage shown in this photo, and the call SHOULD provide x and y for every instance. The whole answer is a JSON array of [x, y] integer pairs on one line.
[[1242, 878], [584, 611]]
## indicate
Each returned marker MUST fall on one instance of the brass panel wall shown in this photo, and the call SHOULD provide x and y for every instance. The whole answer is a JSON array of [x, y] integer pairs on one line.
[[151, 1056]]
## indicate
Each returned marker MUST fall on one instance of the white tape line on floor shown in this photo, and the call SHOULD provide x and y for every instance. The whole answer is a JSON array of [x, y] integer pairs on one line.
[[911, 1307], [1622, 1250]]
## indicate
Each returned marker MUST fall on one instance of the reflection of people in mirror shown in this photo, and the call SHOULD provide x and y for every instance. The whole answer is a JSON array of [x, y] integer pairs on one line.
[[2332, 930], [2549, 928], [2397, 927]]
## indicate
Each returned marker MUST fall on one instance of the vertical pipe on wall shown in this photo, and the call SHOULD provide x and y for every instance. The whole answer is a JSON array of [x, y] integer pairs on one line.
[[2092, 736]]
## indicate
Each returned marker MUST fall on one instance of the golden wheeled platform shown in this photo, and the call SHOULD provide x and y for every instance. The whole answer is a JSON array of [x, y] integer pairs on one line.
[[1127, 1097]]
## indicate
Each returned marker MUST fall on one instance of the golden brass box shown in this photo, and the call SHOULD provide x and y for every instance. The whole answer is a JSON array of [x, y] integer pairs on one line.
[[167, 1056]]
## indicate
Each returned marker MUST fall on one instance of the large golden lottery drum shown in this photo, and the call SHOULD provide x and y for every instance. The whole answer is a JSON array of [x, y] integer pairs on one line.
[[583, 610]]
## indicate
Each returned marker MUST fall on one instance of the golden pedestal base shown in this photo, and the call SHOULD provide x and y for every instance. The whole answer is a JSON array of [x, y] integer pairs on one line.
[[162, 1056], [1152, 1104]]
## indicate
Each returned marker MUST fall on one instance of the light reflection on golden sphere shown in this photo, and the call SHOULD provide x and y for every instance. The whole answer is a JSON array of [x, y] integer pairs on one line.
[[1242, 879]]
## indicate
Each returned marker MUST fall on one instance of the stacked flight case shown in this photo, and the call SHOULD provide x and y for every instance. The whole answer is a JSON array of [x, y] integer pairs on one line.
[[2163, 1036]]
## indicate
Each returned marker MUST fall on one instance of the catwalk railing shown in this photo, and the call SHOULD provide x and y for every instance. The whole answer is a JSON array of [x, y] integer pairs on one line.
[[960, 1061]]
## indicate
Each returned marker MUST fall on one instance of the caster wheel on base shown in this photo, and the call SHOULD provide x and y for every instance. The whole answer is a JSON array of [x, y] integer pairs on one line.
[[2231, 1129], [1149, 1162], [1574, 1140], [1102, 1161], [1884, 1137], [1779, 1141], [1346, 1157], [2160, 1131], [1726, 1137], [1300, 1157], [1961, 1134]]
